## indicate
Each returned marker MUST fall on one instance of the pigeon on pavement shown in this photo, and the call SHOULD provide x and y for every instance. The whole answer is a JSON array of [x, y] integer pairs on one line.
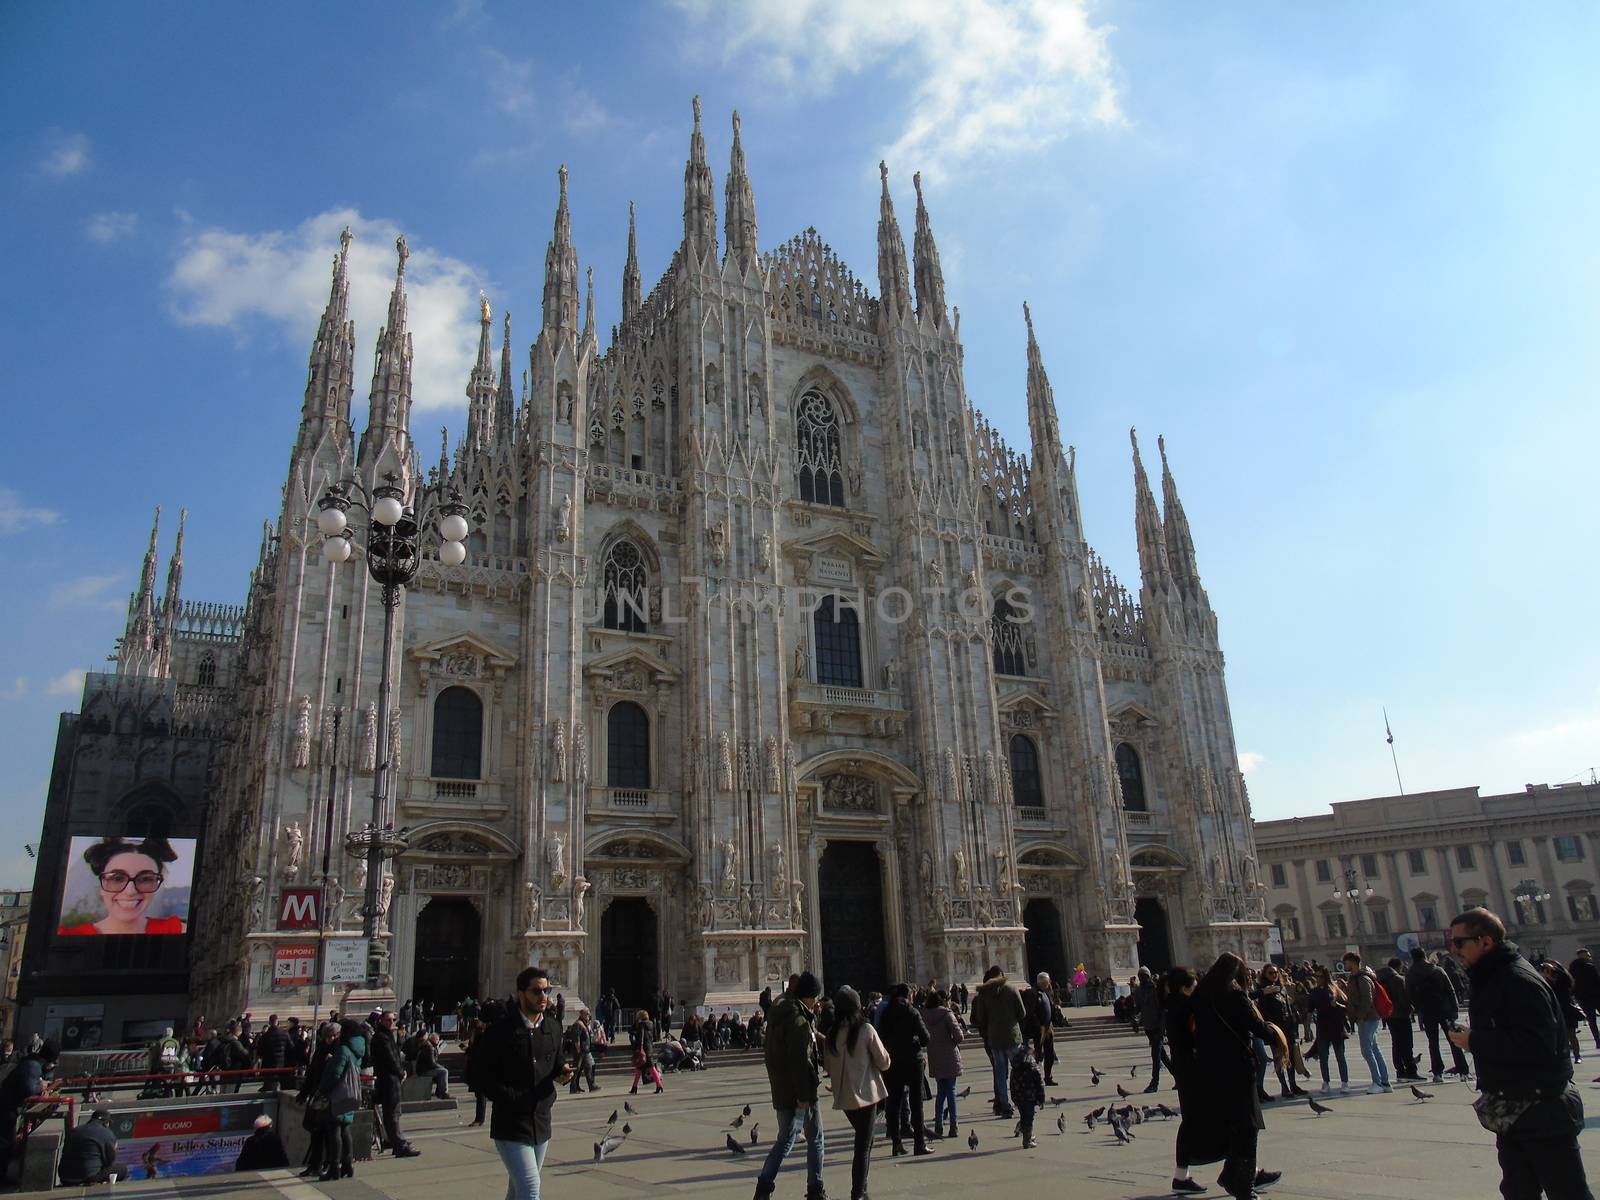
[[1319, 1109], [612, 1120], [964, 1092], [1123, 1092], [727, 1139], [737, 1122], [972, 1140], [753, 1129], [606, 1146], [1094, 1077], [746, 1111], [626, 1129], [1123, 1136], [1061, 1123], [1088, 1120], [1420, 1094], [1133, 1071], [1166, 1112], [629, 1109]]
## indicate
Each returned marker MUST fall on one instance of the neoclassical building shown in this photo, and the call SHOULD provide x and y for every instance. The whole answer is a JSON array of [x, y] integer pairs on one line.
[[768, 652]]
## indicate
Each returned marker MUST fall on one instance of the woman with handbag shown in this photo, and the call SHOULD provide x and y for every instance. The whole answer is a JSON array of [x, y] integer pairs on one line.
[[1225, 1021], [340, 1090], [644, 1066], [856, 1059], [1330, 1008]]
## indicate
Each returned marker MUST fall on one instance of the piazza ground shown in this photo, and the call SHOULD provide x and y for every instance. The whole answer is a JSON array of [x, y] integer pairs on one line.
[[1369, 1146]]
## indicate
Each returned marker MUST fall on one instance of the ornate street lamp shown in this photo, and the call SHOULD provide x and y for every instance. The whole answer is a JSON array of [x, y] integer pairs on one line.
[[1353, 891], [393, 554]]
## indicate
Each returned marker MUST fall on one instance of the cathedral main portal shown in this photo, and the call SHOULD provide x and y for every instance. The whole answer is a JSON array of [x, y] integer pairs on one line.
[[628, 953], [850, 895], [446, 964]]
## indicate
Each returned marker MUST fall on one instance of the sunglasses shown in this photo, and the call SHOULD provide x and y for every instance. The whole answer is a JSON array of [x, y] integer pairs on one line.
[[116, 882], [1462, 941], [538, 991]]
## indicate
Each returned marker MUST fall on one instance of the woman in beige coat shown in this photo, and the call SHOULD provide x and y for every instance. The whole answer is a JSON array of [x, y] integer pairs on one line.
[[856, 1061]]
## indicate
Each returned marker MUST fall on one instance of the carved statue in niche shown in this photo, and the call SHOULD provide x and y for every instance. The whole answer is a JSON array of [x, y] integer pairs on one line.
[[564, 519], [556, 856], [255, 894], [580, 892], [1216, 871], [798, 910], [385, 896], [802, 663], [764, 552], [707, 907], [963, 881], [749, 910], [717, 542], [558, 752], [369, 739], [360, 877], [393, 749], [580, 752], [302, 732], [990, 778], [1251, 880], [730, 867], [891, 675], [951, 790], [724, 762], [780, 869], [788, 765], [774, 770], [531, 906], [294, 840], [337, 913], [1002, 873], [925, 872]]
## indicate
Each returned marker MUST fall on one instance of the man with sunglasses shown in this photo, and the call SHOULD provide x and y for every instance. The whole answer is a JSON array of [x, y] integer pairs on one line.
[[1518, 1038], [519, 1070]]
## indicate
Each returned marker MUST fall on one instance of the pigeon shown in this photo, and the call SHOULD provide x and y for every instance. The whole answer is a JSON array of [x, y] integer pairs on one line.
[[612, 1120], [1319, 1109], [972, 1141], [627, 1108], [1420, 1094], [727, 1139], [967, 1091], [737, 1122], [1061, 1123], [1088, 1120], [753, 1129], [626, 1129], [1123, 1136], [1094, 1077], [606, 1146], [1123, 1092], [746, 1111], [1099, 1112], [1058, 1099], [1166, 1112]]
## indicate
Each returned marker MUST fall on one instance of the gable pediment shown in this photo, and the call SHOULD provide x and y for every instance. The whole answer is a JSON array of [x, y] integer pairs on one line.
[[631, 670], [810, 553], [1027, 702], [1130, 713], [464, 653]]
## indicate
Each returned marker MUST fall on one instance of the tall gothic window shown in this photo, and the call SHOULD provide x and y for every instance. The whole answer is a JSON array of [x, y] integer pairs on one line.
[[627, 746], [206, 672], [1009, 658], [626, 585], [1132, 776], [1026, 790], [838, 642], [458, 734], [817, 450]]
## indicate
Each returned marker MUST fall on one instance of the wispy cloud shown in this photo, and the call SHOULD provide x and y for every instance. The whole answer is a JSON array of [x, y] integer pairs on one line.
[[989, 77], [68, 683], [19, 517], [584, 113], [87, 591], [17, 690], [510, 83], [66, 153], [109, 226], [1249, 760], [233, 280]]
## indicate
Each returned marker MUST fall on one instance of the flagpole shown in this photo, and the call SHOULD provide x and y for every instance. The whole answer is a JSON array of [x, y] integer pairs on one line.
[[1389, 734]]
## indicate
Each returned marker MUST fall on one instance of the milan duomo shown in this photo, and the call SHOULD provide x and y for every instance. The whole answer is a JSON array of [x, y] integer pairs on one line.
[[767, 653]]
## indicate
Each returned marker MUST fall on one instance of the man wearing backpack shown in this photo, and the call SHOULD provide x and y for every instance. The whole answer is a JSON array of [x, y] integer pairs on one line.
[[1369, 1006]]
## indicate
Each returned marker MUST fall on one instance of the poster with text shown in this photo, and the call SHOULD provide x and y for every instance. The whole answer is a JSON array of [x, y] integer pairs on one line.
[[199, 1140], [127, 886]]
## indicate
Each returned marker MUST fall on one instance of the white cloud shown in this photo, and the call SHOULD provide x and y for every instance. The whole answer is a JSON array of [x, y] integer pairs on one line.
[[109, 226], [1249, 760], [17, 690], [510, 82], [584, 113], [230, 280], [67, 154], [87, 591], [68, 683], [987, 77], [17, 517]]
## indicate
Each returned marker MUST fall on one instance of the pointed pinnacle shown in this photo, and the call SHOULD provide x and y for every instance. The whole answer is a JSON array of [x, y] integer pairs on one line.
[[1028, 317], [697, 112], [883, 173], [736, 127], [1161, 444], [562, 175]]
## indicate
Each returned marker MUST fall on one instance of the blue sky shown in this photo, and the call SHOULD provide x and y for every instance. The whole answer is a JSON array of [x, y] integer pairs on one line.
[[1342, 256]]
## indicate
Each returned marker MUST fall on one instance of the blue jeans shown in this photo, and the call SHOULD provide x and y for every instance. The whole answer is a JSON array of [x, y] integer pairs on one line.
[[945, 1101], [523, 1163], [788, 1127], [1001, 1058], [1369, 1050]]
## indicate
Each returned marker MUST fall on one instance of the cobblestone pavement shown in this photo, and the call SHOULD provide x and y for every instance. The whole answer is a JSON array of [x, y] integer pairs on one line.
[[1368, 1146]]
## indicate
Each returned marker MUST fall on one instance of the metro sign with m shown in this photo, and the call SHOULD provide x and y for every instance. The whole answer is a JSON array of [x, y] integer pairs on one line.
[[298, 908]]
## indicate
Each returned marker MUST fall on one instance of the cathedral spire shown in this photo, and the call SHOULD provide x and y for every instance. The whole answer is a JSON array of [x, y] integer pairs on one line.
[[330, 383], [1153, 564], [138, 636], [561, 272], [1180, 543], [699, 202], [172, 602], [929, 275], [1043, 426], [480, 384], [630, 273], [740, 205], [389, 403], [588, 306], [505, 404], [894, 284]]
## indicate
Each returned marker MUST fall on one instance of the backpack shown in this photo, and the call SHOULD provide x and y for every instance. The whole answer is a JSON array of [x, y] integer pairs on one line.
[[1381, 1003]]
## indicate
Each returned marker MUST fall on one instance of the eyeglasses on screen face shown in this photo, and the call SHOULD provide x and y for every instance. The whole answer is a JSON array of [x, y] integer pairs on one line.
[[118, 881]]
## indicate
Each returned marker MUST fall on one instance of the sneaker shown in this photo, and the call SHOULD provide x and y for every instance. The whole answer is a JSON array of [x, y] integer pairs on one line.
[[1344, 1089], [1031, 1143], [1267, 1178], [1388, 1087], [1376, 1089], [1188, 1185], [1325, 1090]]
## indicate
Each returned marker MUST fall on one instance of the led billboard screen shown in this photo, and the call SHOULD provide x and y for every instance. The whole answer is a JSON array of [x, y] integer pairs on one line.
[[127, 886]]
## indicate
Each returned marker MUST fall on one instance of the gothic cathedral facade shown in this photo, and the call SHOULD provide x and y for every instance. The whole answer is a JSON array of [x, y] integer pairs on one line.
[[768, 653]]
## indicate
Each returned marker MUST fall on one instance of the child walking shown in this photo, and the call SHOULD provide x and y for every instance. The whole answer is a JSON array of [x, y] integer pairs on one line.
[[1027, 1091]]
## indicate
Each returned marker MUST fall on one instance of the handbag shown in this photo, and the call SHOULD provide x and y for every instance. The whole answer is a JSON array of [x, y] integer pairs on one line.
[[345, 1097], [1498, 1112]]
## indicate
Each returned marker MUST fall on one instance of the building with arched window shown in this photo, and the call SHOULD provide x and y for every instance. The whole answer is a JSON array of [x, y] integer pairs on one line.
[[769, 651]]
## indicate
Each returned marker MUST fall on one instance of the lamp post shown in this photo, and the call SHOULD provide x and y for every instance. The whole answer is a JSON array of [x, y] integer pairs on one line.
[[393, 553], [1529, 895], [1353, 891]]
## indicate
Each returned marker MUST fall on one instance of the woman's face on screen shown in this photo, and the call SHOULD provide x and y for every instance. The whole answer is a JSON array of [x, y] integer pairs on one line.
[[120, 885]]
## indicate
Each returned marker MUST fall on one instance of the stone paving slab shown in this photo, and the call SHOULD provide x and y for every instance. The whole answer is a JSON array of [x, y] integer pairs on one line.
[[1388, 1147]]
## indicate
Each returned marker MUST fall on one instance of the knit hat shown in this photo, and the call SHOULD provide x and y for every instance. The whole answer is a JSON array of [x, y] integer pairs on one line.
[[807, 985]]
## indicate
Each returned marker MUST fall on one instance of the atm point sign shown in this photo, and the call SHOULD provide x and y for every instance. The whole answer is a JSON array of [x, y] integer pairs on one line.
[[298, 908]]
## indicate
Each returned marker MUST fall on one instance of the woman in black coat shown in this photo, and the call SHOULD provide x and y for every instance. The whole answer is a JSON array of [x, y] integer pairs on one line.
[[905, 1037], [1225, 1021], [1201, 1138]]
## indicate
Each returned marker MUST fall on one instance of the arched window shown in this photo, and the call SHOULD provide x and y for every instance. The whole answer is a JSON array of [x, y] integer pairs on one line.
[[817, 450], [1132, 776], [838, 642], [626, 583], [1026, 789], [458, 734], [1009, 658], [627, 747], [206, 673]]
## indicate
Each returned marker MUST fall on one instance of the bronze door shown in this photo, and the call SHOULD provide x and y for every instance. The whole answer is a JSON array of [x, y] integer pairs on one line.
[[850, 895]]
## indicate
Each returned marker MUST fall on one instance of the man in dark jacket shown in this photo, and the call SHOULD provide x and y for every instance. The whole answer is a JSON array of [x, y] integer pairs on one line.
[[1586, 989], [263, 1150], [577, 1045], [1152, 1021], [998, 1013], [1399, 1022], [26, 1082], [89, 1153], [388, 1073], [1039, 1028], [1518, 1039], [790, 1053], [429, 1067], [1433, 997], [272, 1053], [231, 1055], [519, 1070]]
